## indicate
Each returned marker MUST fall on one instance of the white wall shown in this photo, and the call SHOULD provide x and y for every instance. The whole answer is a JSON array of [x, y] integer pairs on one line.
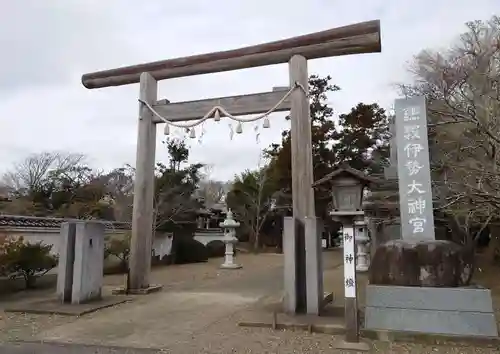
[[162, 244], [206, 237]]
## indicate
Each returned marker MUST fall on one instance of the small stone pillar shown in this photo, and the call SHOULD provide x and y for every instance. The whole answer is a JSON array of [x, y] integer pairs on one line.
[[362, 250], [81, 262], [341, 239], [229, 225]]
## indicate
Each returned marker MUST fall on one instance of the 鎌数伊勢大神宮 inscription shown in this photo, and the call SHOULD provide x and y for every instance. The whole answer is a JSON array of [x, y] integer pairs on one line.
[[415, 192]]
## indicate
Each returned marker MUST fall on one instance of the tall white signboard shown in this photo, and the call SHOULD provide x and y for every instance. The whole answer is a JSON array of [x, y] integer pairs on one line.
[[349, 262]]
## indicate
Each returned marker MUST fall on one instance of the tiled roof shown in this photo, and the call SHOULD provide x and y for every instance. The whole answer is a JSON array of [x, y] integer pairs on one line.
[[34, 221]]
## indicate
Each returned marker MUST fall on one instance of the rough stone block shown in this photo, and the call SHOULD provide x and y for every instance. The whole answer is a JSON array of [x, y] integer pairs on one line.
[[427, 263]]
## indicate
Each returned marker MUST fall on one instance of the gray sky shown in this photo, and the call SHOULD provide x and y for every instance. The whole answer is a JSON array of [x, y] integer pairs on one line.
[[48, 45]]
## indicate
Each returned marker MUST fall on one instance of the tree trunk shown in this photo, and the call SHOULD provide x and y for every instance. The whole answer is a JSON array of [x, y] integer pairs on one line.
[[256, 241], [494, 244], [30, 281]]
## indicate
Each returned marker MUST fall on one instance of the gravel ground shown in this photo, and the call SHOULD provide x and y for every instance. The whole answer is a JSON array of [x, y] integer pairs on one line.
[[248, 341], [222, 336]]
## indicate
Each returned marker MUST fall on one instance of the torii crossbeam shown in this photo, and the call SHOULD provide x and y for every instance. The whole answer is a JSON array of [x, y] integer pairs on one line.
[[303, 271]]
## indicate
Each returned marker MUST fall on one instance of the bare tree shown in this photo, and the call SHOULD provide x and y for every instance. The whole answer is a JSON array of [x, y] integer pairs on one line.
[[119, 188], [463, 91], [212, 192], [32, 173], [171, 203]]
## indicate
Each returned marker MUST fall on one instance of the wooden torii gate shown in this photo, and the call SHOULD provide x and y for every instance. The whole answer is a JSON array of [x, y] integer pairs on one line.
[[303, 273]]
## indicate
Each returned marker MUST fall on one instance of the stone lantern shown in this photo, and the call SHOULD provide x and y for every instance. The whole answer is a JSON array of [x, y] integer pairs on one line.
[[229, 225], [362, 250]]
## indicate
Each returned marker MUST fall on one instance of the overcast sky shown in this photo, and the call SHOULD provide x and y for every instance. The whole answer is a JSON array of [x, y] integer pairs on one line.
[[48, 45]]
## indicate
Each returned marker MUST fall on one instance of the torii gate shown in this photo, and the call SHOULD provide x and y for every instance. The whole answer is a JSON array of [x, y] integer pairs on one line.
[[302, 250]]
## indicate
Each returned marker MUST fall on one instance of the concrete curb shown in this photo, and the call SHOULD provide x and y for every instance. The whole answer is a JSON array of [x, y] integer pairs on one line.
[[386, 336], [37, 345], [54, 307], [431, 339]]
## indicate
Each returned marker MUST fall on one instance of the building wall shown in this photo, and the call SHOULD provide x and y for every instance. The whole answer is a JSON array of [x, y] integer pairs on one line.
[[207, 236], [162, 244]]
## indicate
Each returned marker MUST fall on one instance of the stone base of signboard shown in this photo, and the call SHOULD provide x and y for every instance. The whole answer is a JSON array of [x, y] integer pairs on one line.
[[466, 311]]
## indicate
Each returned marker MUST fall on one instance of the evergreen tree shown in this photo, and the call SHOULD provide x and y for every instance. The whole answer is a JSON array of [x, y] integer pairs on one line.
[[360, 139]]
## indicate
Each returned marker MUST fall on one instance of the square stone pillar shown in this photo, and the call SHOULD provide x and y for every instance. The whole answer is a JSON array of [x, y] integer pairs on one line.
[[295, 288], [314, 265], [81, 262], [66, 261]]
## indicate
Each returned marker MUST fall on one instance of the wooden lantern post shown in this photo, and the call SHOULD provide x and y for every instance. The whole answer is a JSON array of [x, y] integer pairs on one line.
[[347, 185]]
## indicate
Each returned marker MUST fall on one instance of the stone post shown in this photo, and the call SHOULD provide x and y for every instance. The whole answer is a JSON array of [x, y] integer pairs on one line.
[[341, 240], [362, 250]]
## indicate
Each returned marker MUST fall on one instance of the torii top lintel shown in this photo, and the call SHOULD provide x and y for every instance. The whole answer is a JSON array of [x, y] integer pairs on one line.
[[358, 38]]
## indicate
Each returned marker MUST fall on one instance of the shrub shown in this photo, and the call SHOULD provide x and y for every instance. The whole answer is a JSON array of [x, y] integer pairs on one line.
[[3, 249], [188, 250], [27, 260], [185, 249], [120, 248], [216, 248]]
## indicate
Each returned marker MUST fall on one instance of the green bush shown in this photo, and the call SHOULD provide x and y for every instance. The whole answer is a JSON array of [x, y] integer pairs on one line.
[[3, 249], [27, 260], [120, 248], [185, 249], [188, 250], [216, 248]]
